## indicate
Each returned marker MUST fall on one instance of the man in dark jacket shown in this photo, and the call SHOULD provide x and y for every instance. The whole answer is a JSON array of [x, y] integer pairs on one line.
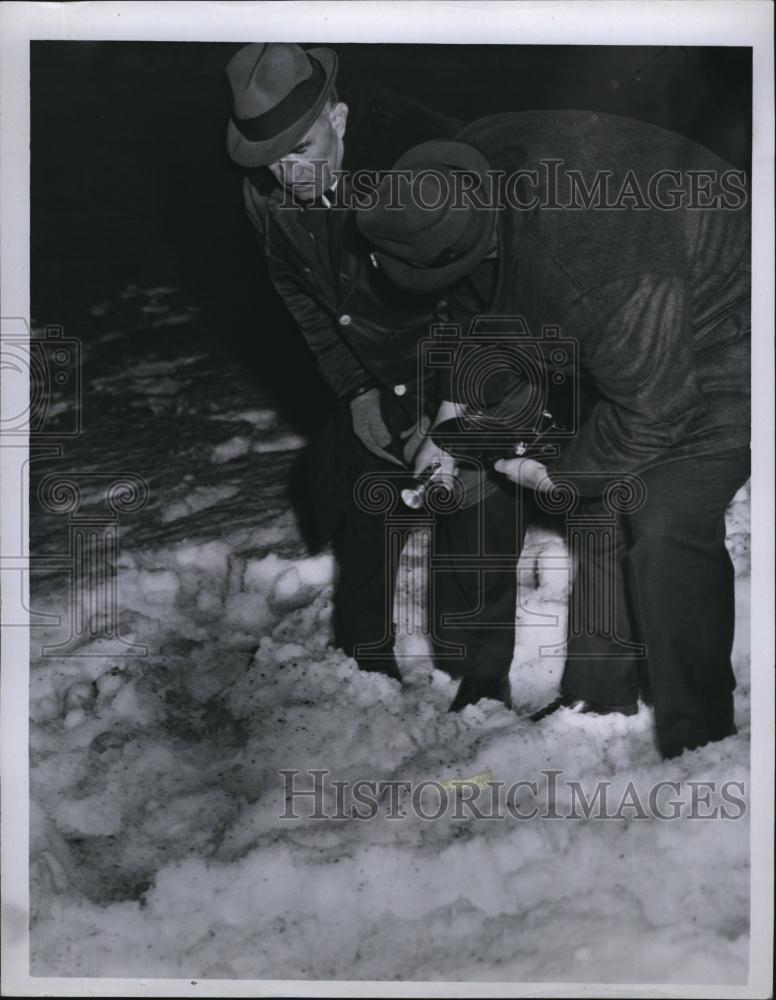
[[292, 134], [635, 242]]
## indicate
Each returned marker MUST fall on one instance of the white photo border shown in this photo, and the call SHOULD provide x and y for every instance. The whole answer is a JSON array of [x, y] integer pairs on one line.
[[557, 22]]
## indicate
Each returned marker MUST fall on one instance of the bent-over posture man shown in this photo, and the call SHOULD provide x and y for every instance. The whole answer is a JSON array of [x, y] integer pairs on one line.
[[635, 241]]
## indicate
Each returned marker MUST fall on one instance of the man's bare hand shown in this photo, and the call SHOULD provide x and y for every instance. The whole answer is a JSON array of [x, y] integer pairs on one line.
[[525, 472]]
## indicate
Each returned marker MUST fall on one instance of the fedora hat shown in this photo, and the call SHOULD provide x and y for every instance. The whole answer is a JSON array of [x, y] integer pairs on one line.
[[429, 237], [278, 90]]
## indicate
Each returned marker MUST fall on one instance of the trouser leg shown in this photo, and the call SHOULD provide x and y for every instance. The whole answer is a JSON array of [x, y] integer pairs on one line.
[[370, 538], [684, 596], [671, 584], [367, 555], [604, 656], [473, 584]]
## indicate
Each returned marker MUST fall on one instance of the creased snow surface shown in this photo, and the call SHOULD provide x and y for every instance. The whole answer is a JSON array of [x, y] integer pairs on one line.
[[156, 843]]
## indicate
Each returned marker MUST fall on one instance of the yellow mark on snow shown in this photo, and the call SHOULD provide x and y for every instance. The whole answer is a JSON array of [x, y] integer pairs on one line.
[[480, 780]]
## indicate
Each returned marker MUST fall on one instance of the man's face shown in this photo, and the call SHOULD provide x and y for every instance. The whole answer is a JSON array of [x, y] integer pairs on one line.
[[308, 170]]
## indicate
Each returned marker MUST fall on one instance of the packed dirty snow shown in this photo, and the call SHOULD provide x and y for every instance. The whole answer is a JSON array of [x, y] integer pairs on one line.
[[157, 843]]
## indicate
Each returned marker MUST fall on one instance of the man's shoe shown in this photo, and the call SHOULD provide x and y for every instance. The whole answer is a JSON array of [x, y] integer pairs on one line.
[[473, 689], [381, 665], [583, 707]]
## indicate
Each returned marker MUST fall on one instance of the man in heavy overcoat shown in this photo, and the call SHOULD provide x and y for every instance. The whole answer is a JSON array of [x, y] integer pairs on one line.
[[635, 242]]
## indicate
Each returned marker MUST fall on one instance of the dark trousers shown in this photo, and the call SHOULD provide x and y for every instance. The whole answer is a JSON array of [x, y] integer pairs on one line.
[[652, 609], [471, 578], [367, 551], [472, 596]]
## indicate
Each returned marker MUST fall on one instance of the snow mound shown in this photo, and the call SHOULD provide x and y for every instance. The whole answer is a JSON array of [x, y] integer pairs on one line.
[[169, 837]]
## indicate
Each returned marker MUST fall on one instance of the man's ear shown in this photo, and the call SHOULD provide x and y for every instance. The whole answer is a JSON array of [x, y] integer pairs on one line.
[[339, 118]]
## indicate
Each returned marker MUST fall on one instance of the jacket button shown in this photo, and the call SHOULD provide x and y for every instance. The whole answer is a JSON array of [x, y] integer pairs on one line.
[[400, 389], [344, 320]]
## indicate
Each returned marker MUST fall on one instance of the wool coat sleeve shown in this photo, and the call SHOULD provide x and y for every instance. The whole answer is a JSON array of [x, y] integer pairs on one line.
[[337, 364], [638, 350]]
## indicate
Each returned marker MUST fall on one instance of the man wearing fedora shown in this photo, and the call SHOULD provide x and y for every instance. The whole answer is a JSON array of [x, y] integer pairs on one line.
[[292, 134], [657, 296]]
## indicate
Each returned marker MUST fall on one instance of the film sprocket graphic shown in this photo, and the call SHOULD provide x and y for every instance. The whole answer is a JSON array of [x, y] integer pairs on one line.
[[519, 393]]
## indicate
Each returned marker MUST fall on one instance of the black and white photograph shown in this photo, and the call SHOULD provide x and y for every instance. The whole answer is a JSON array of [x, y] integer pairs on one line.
[[387, 498]]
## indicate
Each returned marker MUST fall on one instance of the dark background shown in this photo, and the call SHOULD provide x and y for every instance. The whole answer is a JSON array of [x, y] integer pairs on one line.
[[131, 182]]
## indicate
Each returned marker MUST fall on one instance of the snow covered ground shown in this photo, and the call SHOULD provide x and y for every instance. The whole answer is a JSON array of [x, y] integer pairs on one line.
[[156, 844]]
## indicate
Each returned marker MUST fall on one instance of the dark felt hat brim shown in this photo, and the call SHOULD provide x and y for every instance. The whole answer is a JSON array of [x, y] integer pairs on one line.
[[261, 154], [432, 279]]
